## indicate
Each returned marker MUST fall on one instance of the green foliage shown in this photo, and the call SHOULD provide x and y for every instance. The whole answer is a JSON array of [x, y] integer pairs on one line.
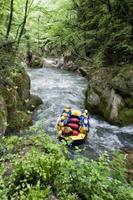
[[36, 167], [100, 30]]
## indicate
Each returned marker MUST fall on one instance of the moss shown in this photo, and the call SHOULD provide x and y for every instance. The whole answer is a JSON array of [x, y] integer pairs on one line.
[[105, 110], [129, 102], [126, 116], [33, 102], [11, 98], [22, 81], [19, 120]]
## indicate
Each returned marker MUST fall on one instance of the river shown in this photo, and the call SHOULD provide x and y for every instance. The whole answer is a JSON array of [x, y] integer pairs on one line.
[[58, 88]]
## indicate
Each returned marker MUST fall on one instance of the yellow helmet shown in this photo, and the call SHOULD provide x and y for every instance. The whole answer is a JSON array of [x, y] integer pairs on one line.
[[66, 110], [85, 121], [84, 114], [66, 107], [86, 111], [62, 117], [76, 113], [61, 124]]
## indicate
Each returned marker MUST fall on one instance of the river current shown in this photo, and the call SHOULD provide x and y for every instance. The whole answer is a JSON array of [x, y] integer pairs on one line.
[[58, 88]]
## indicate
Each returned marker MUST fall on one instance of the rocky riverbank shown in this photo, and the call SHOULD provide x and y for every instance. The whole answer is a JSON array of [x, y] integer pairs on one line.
[[110, 89], [110, 93], [16, 102]]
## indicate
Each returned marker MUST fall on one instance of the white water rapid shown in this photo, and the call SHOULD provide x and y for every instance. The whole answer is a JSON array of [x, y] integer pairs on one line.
[[59, 87]]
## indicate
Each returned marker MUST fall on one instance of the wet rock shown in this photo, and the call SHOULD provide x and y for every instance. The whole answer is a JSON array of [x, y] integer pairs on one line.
[[34, 102], [109, 96], [53, 62]]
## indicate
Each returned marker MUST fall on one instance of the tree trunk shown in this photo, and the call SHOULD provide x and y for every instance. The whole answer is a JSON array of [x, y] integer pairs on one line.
[[24, 22], [10, 20]]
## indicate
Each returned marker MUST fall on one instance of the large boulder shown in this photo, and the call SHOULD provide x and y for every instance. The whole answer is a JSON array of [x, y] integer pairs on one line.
[[16, 102], [19, 120], [12, 99], [123, 82], [34, 102], [22, 82], [110, 96]]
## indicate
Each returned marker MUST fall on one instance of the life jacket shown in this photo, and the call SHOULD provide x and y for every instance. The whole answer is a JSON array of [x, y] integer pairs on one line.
[[73, 123]]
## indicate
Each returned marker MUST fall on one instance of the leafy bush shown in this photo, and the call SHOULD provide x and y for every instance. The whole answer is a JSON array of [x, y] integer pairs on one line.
[[40, 167]]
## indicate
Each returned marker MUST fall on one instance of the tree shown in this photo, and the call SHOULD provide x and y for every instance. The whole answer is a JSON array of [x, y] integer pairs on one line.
[[10, 20], [24, 22]]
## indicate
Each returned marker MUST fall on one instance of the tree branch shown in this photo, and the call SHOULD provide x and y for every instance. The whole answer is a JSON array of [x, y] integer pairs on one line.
[[24, 22], [10, 20]]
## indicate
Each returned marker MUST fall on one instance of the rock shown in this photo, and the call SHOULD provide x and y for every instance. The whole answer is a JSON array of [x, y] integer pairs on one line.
[[19, 120], [114, 102], [52, 197], [3, 116], [12, 99], [123, 82], [93, 99], [85, 70], [53, 62], [15, 102], [107, 98], [36, 62], [22, 82], [34, 102]]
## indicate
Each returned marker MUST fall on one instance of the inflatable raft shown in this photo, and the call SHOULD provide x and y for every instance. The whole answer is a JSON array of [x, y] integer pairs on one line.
[[73, 126]]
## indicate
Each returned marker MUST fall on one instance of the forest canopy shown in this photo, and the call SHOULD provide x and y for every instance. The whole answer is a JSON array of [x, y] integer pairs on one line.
[[100, 30]]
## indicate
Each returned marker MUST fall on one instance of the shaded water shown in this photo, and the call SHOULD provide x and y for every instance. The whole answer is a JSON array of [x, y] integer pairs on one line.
[[59, 87]]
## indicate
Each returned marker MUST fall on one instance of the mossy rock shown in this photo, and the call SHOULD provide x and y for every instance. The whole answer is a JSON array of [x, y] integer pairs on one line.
[[99, 107], [22, 82], [129, 102], [36, 62], [33, 102], [12, 99], [125, 116], [19, 120], [123, 81]]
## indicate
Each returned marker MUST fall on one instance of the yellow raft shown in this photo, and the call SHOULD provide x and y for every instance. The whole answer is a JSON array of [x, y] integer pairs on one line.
[[73, 126]]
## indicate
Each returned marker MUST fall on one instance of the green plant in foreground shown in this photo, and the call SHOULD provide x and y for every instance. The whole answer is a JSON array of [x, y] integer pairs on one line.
[[40, 168]]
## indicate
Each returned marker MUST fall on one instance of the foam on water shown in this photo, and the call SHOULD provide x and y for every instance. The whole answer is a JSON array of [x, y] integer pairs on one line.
[[59, 87]]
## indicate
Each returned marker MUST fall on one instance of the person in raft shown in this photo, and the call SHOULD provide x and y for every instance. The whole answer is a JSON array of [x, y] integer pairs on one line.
[[73, 121]]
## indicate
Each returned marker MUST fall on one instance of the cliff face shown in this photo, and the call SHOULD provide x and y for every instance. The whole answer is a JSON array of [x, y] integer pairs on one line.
[[110, 93], [16, 102]]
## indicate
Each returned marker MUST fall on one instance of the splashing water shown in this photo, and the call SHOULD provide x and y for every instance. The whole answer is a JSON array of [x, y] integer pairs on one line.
[[59, 87]]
